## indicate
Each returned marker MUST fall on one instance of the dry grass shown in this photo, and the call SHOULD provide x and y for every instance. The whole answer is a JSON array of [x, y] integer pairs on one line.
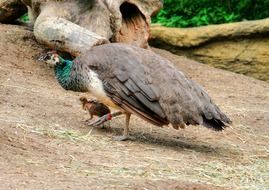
[[243, 169]]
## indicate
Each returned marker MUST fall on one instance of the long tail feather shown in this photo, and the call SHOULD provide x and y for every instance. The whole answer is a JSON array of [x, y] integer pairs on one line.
[[214, 124]]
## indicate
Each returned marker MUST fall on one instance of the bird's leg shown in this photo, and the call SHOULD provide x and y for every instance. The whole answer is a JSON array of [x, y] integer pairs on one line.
[[108, 117], [125, 135], [103, 119], [88, 120], [127, 122]]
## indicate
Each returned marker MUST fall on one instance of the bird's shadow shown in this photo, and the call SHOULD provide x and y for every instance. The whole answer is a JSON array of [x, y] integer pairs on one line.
[[178, 143]]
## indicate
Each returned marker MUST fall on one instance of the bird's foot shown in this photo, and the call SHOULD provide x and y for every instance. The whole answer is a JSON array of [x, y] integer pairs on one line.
[[123, 138], [102, 126], [87, 121], [99, 121]]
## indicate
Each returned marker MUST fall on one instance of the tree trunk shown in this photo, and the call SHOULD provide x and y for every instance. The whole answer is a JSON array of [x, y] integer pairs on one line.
[[77, 25], [60, 34]]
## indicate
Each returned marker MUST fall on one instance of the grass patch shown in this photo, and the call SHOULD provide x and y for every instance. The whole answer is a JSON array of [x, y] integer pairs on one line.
[[51, 132]]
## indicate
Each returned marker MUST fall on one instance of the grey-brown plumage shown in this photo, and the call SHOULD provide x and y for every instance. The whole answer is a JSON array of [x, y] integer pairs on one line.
[[146, 84], [94, 107]]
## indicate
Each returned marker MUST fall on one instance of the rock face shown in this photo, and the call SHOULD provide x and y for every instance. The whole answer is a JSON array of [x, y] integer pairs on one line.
[[239, 47], [74, 26]]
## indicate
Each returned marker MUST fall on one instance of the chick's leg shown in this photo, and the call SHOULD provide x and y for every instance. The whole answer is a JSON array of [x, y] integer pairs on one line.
[[88, 120]]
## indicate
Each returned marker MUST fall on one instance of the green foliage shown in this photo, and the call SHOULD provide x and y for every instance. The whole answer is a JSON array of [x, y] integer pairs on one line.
[[188, 13], [24, 18]]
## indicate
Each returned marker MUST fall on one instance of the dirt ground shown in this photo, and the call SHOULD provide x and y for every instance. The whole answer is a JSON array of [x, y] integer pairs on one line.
[[45, 145]]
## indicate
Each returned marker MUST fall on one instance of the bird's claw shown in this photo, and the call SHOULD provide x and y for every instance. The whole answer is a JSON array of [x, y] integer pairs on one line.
[[123, 138], [87, 121]]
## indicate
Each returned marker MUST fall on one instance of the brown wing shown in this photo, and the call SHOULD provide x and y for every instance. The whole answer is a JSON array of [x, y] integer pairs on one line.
[[135, 101], [127, 83]]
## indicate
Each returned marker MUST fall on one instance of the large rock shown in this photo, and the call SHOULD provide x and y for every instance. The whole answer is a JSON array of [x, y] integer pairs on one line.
[[240, 47], [74, 26]]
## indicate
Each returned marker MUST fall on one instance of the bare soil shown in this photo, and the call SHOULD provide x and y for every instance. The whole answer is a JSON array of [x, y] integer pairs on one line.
[[45, 145]]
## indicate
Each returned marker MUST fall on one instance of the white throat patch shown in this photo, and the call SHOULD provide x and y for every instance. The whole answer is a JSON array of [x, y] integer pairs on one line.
[[53, 60], [95, 86]]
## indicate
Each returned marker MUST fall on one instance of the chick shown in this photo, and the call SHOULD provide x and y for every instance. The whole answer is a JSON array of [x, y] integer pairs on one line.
[[94, 107]]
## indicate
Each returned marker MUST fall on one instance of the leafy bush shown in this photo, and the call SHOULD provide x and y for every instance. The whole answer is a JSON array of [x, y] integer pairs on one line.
[[188, 13], [24, 18]]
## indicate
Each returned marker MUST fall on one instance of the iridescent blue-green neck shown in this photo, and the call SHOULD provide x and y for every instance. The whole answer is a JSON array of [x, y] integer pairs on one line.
[[66, 76]]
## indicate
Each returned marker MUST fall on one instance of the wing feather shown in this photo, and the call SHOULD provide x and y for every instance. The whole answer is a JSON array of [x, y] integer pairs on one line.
[[133, 105]]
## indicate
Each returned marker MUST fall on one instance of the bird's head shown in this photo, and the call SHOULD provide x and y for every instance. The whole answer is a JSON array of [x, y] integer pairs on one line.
[[86, 104], [51, 58], [62, 68], [84, 100]]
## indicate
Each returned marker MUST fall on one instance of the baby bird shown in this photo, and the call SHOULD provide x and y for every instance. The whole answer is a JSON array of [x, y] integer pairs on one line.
[[94, 107]]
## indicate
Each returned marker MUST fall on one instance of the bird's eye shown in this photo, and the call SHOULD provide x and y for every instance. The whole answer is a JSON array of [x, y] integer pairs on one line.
[[44, 57], [64, 63]]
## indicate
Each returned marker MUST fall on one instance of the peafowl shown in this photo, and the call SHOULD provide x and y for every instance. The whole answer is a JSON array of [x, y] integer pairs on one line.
[[138, 81], [94, 107]]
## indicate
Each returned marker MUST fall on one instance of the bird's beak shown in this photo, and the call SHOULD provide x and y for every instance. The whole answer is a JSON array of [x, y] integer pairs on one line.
[[42, 57]]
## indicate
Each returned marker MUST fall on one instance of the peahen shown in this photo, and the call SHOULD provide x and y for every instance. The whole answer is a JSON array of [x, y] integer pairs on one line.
[[138, 81]]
